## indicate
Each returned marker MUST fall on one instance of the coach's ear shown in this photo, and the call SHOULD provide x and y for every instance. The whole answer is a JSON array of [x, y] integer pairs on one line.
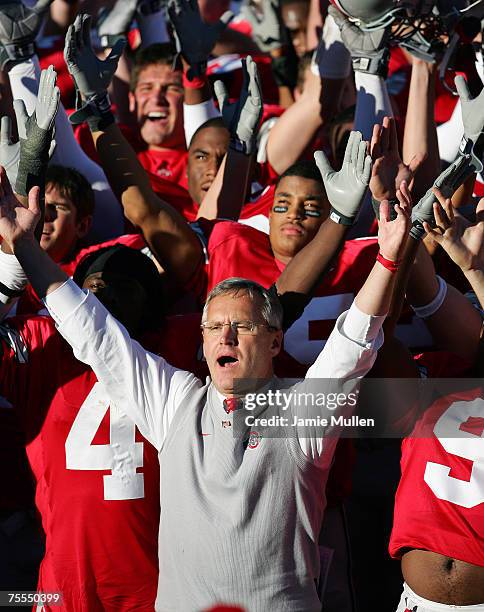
[[276, 344]]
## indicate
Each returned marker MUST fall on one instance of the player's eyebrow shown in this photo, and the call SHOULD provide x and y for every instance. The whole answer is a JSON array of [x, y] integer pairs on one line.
[[283, 194]]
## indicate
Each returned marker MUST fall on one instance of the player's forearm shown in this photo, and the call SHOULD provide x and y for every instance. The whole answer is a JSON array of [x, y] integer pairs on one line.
[[43, 273], [168, 235], [420, 130], [227, 193], [372, 102], [294, 130], [476, 280], [127, 177], [306, 268], [451, 319]]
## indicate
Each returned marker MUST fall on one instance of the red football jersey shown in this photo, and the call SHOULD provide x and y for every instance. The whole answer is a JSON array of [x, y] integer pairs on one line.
[[439, 504], [97, 477], [170, 164]]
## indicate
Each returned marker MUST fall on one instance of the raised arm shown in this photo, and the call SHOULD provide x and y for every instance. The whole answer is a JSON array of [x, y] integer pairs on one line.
[[370, 54], [345, 190], [141, 384], [420, 136], [195, 40], [228, 192], [28, 165], [169, 237]]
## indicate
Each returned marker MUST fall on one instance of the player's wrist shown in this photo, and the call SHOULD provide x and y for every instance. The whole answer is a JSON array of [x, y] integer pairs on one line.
[[12, 54], [376, 64], [390, 261]]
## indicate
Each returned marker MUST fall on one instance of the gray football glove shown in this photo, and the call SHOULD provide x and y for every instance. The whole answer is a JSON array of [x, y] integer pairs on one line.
[[35, 133], [195, 39], [19, 26], [346, 189], [113, 24], [448, 182], [473, 120], [91, 75], [370, 51], [242, 118], [268, 30]]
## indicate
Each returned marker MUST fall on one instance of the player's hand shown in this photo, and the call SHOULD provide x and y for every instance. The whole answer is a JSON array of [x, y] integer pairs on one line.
[[114, 24], [346, 189], [393, 235], [369, 50], [242, 118], [91, 75], [388, 168], [19, 26], [35, 131], [17, 222], [462, 240], [195, 39], [268, 30], [447, 182]]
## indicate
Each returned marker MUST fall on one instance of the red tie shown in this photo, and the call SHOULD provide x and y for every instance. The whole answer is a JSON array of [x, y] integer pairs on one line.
[[231, 404]]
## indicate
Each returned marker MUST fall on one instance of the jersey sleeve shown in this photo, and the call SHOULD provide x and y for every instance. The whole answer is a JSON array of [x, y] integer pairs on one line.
[[140, 383]]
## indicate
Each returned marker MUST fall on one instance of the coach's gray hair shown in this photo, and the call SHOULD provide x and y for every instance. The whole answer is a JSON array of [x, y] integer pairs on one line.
[[271, 307]]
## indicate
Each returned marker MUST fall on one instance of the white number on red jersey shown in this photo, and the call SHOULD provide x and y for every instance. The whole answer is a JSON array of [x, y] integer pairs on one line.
[[467, 445], [324, 308], [122, 455]]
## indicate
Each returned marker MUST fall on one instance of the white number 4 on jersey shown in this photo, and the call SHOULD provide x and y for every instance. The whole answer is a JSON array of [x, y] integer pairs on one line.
[[122, 455]]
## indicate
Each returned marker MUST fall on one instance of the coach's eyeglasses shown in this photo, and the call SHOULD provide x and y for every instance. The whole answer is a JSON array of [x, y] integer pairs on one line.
[[215, 328]]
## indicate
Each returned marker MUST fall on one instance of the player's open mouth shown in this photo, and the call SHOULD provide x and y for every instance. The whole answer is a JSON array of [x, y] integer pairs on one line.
[[157, 116], [226, 361]]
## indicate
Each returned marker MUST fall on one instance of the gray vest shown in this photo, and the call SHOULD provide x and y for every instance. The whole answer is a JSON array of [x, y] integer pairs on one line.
[[239, 521]]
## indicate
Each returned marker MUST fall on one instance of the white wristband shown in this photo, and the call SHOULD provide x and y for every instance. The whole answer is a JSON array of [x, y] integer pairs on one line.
[[12, 277], [423, 312]]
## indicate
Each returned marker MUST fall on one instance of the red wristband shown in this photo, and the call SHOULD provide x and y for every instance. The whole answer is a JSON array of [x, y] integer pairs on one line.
[[195, 83], [386, 263]]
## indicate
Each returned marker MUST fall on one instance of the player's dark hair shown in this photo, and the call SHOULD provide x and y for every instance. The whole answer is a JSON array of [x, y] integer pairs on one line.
[[163, 54], [73, 186], [305, 169], [216, 122]]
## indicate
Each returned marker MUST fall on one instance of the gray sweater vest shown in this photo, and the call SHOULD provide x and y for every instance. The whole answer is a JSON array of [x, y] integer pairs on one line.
[[239, 523]]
